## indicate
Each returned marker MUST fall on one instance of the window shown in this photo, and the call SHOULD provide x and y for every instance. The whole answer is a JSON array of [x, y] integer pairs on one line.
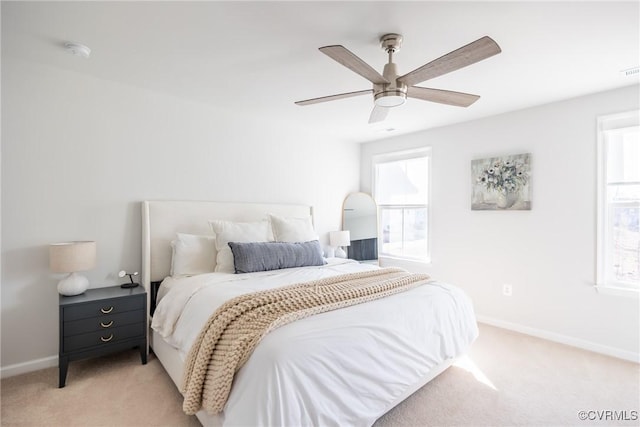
[[619, 201], [401, 189]]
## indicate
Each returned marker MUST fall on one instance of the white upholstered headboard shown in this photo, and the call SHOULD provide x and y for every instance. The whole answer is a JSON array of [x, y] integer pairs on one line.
[[161, 220]]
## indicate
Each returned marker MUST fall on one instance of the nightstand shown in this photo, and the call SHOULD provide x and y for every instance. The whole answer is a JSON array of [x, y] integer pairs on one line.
[[101, 321]]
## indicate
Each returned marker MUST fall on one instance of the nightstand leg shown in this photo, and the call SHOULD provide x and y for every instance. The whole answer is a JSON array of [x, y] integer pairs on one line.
[[63, 364], [143, 352]]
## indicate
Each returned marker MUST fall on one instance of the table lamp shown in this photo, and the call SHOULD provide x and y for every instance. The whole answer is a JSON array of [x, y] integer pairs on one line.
[[338, 239], [71, 257]]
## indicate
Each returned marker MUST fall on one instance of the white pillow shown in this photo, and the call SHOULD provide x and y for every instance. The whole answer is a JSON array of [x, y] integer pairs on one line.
[[241, 232], [193, 254], [292, 230]]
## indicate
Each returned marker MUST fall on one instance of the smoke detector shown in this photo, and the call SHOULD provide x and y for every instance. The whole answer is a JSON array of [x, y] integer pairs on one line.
[[77, 49]]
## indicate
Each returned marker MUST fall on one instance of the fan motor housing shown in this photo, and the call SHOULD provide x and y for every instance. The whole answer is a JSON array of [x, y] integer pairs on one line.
[[393, 93]]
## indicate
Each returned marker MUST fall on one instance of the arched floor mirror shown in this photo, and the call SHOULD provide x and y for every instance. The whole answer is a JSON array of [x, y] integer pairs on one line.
[[360, 218]]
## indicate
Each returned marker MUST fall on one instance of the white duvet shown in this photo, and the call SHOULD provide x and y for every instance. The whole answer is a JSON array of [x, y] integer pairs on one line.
[[340, 368]]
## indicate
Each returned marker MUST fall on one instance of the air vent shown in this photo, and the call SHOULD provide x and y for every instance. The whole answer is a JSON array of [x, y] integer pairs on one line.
[[631, 72]]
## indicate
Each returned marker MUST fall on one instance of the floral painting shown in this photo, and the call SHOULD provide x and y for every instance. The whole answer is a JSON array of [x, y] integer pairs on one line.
[[501, 183]]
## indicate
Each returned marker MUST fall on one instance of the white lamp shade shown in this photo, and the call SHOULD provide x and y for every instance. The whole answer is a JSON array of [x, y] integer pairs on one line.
[[339, 238], [69, 257]]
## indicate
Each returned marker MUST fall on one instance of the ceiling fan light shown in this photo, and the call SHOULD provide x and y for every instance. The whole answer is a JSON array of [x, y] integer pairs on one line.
[[390, 99]]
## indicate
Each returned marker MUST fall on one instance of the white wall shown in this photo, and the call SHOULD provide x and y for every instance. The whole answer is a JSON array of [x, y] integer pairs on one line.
[[79, 154], [548, 253]]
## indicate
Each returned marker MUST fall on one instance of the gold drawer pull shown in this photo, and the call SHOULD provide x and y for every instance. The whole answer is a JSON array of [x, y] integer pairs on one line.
[[106, 310], [103, 339], [106, 325]]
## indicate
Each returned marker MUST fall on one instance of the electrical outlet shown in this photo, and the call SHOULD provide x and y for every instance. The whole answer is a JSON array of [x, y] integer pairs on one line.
[[507, 290]]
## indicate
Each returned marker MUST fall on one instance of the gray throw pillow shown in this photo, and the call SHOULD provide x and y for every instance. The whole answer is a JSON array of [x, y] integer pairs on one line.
[[265, 256]]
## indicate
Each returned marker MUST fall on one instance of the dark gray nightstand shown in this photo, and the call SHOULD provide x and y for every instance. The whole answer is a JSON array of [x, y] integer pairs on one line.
[[101, 321]]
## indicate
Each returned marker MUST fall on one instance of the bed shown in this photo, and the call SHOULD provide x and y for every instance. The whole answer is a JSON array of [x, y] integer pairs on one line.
[[342, 367]]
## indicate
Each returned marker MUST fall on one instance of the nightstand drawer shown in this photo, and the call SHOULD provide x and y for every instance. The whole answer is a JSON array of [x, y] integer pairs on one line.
[[102, 323], [102, 338], [102, 308]]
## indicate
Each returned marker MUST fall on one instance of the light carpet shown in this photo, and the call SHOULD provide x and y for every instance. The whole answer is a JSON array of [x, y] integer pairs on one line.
[[507, 379]]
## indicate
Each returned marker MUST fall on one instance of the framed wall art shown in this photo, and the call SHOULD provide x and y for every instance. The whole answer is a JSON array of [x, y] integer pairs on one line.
[[501, 183]]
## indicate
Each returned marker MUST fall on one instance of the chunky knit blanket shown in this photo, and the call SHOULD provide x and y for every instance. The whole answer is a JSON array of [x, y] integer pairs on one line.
[[233, 330]]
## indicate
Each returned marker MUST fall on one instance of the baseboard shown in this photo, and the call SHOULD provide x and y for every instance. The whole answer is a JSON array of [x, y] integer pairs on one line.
[[32, 365], [562, 339]]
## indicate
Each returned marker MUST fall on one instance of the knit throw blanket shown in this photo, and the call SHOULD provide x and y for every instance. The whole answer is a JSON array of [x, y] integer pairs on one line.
[[233, 330]]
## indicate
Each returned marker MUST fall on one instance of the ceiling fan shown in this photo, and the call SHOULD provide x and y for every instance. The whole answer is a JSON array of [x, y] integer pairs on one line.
[[391, 90]]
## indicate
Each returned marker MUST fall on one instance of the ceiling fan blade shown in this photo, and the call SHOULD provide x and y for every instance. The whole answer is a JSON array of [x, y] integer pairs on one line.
[[334, 97], [449, 97], [378, 114], [476, 51], [351, 61]]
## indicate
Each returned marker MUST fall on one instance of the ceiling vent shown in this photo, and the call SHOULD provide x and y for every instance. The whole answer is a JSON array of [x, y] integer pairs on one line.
[[631, 72]]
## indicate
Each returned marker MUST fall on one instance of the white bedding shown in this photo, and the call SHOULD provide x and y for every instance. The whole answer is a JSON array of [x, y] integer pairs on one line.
[[340, 368]]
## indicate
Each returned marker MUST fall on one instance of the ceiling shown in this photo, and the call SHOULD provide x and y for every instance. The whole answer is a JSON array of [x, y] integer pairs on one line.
[[257, 58]]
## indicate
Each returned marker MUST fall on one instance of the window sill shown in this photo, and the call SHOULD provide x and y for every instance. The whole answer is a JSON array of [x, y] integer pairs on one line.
[[614, 290]]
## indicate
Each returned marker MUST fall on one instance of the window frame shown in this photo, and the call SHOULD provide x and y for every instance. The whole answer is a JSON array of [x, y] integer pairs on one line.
[[608, 125], [399, 156]]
